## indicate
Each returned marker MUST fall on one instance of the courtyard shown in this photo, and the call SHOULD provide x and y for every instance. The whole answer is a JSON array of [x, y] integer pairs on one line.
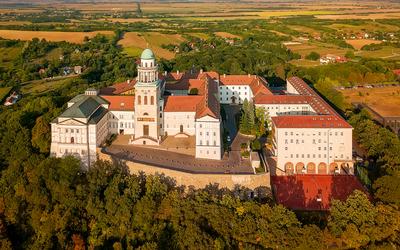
[[178, 152]]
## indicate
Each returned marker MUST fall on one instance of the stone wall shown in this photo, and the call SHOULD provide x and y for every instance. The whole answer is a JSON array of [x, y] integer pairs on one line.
[[250, 181]]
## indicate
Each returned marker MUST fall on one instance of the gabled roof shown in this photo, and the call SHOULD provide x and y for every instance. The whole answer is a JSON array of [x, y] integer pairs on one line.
[[186, 103], [210, 104], [281, 99], [257, 84], [120, 103], [119, 88], [309, 121]]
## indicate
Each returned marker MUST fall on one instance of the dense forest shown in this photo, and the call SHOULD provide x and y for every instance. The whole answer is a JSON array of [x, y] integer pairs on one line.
[[48, 203]]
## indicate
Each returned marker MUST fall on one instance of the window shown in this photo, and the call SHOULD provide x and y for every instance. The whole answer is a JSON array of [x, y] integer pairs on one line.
[[201, 142], [152, 100], [214, 134], [208, 143], [200, 125], [207, 133], [72, 140], [215, 143], [286, 148], [201, 133], [145, 100], [286, 141], [139, 100], [66, 130]]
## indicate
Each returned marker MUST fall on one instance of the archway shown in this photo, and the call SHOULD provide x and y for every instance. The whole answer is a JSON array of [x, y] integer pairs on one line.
[[311, 168], [345, 167], [233, 99], [289, 168], [333, 167], [322, 168], [300, 167], [181, 129]]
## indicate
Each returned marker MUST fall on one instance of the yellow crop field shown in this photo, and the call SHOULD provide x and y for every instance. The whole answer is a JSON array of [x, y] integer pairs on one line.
[[226, 35], [54, 36], [134, 42], [359, 43], [385, 101]]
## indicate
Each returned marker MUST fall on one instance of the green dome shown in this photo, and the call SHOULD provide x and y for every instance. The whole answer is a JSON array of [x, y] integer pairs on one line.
[[147, 54]]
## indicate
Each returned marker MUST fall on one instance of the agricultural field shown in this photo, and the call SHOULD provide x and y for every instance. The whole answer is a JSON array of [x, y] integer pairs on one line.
[[386, 52], [386, 101], [42, 86], [4, 93], [369, 26], [359, 43], [54, 36], [134, 42], [7, 55], [226, 35], [323, 49]]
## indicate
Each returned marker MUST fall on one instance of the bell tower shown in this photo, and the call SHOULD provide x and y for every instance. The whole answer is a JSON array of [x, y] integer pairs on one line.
[[147, 99]]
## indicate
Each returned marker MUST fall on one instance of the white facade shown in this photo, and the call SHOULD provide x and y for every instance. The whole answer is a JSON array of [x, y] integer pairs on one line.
[[313, 150], [208, 138], [179, 122], [121, 122], [287, 109], [229, 94]]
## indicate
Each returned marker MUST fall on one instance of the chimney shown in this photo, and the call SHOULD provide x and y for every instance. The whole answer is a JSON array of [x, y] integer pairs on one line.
[[201, 71], [224, 75], [128, 81], [255, 76], [248, 75], [177, 72], [165, 73]]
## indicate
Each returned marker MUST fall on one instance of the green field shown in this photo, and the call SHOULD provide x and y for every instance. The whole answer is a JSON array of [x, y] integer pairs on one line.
[[42, 86], [386, 52], [4, 92], [8, 54]]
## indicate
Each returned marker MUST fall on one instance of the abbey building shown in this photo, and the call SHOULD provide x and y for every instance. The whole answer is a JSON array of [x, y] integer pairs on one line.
[[308, 136]]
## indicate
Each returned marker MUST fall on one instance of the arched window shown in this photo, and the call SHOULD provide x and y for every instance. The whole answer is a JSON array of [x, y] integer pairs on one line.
[[152, 100], [145, 114], [139, 100], [145, 100], [145, 65], [72, 140]]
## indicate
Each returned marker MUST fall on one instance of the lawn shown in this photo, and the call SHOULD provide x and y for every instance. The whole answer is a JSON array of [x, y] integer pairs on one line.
[[4, 93], [385, 101], [305, 63]]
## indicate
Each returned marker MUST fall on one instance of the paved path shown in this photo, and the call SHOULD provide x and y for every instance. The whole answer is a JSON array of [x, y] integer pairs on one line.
[[181, 162]]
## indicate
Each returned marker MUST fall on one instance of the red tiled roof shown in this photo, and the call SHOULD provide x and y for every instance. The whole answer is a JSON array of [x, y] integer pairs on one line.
[[300, 192], [186, 103], [397, 72], [257, 84], [281, 99], [309, 121], [120, 103], [118, 88], [210, 104]]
